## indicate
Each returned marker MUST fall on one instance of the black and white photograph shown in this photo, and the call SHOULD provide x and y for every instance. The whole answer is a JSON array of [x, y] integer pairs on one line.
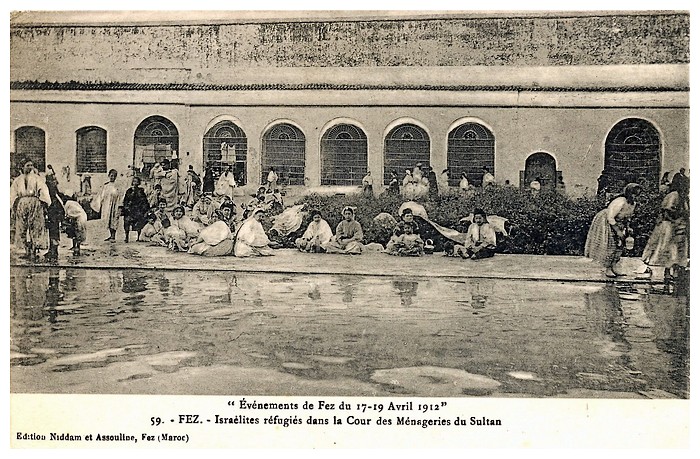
[[404, 211]]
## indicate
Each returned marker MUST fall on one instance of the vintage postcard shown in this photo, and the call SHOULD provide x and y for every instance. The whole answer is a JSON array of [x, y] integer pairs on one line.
[[352, 228]]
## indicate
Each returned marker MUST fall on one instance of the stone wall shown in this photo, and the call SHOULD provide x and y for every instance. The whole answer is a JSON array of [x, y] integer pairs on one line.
[[180, 52]]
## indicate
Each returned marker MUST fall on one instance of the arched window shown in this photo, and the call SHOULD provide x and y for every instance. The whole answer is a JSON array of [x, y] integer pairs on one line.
[[284, 148], [91, 150], [404, 146], [542, 167], [470, 147], [343, 155], [30, 143], [155, 139], [225, 144], [632, 154]]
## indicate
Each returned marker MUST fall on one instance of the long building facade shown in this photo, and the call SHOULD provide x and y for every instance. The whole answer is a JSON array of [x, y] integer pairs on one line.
[[323, 99]]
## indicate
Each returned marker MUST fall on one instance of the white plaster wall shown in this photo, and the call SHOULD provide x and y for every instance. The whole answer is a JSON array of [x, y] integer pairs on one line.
[[574, 136]]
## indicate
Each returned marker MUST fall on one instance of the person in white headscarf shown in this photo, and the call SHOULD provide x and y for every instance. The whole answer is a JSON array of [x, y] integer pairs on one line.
[[225, 184], [109, 203], [316, 235], [251, 240], [272, 179], [215, 240]]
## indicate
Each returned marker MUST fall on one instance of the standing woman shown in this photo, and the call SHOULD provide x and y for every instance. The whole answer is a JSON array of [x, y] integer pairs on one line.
[[226, 183], [28, 198], [464, 183], [272, 179], [55, 214], [393, 189], [134, 208], [208, 181], [444, 181], [668, 243], [408, 187], [108, 203], [171, 184], [192, 183], [607, 232], [367, 182]]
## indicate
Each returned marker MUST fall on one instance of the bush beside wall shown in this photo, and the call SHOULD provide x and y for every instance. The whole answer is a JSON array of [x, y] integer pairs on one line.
[[549, 223]]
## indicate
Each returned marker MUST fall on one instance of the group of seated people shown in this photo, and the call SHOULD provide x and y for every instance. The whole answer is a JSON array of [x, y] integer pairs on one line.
[[406, 241], [318, 237], [213, 228]]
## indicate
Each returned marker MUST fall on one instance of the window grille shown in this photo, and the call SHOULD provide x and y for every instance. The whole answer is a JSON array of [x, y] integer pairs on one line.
[[632, 154], [343, 155], [30, 143], [404, 146], [155, 139], [225, 144], [284, 148], [470, 147], [91, 150]]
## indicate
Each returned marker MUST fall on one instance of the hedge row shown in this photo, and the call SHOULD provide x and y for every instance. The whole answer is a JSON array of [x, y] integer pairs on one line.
[[548, 223]]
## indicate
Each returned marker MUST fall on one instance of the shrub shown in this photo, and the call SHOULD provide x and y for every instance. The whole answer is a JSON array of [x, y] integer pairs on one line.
[[548, 223]]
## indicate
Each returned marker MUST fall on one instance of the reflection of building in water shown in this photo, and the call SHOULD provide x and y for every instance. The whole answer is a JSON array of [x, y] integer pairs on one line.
[[324, 97], [407, 290]]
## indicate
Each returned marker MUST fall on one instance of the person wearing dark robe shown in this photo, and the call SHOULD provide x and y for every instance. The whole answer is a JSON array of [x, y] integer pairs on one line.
[[393, 189], [55, 214], [432, 183], [208, 182], [135, 206]]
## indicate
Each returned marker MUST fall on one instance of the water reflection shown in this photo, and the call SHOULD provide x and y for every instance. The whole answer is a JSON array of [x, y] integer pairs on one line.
[[485, 326], [407, 290], [133, 281], [347, 286], [604, 313], [672, 333]]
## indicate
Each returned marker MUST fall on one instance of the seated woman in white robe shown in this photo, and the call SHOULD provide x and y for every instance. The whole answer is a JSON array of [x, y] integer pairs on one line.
[[181, 231], [251, 240], [348, 235], [316, 235], [215, 240]]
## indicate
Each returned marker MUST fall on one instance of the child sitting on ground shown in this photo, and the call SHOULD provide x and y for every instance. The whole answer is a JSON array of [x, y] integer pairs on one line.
[[481, 239], [153, 230], [408, 244]]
